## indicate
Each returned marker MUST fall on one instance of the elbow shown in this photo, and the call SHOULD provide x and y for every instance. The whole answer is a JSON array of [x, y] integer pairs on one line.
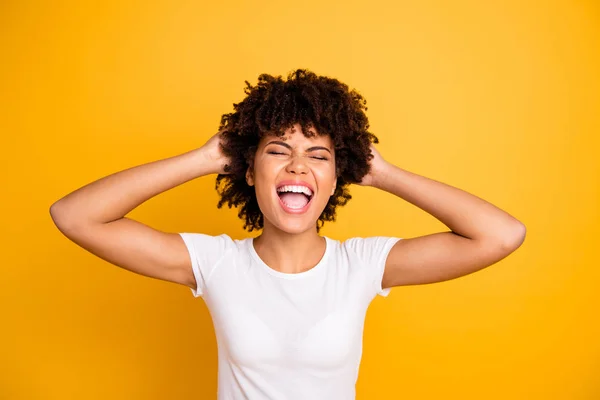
[[54, 211], [507, 239], [56, 214], [514, 236], [60, 216]]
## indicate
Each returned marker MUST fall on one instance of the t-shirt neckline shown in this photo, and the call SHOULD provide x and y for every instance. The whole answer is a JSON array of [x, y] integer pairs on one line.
[[286, 275]]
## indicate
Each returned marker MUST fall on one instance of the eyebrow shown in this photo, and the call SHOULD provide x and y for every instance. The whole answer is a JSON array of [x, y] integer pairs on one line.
[[313, 148]]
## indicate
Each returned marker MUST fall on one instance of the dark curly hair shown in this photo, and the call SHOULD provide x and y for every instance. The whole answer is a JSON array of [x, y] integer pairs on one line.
[[273, 106]]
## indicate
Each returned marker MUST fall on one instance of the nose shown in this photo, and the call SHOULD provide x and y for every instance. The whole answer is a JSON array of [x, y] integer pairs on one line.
[[297, 165]]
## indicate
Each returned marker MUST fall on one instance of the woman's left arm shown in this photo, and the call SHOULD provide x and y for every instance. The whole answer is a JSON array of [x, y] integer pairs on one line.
[[481, 233]]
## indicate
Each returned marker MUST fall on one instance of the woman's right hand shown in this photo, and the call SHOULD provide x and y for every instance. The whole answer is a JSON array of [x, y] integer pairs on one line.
[[213, 153], [94, 216]]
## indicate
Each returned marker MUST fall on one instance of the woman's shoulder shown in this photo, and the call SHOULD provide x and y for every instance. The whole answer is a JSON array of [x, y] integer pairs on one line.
[[361, 245], [218, 243]]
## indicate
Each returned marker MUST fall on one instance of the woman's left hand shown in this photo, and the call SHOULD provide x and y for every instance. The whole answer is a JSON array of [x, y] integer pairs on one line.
[[377, 164]]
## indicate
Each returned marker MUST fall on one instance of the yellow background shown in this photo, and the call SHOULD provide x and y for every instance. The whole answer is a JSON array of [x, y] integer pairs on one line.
[[501, 99]]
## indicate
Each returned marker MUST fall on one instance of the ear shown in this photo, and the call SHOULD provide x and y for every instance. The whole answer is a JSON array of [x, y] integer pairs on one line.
[[334, 187], [250, 176]]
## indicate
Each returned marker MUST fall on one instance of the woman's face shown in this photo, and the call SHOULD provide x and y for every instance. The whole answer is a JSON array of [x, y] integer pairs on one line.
[[294, 176]]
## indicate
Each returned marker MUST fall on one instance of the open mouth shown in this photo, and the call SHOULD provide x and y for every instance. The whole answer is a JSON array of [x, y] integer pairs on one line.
[[295, 198]]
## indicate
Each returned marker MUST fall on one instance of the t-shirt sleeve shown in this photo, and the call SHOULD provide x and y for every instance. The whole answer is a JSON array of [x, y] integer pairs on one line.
[[206, 254], [373, 253]]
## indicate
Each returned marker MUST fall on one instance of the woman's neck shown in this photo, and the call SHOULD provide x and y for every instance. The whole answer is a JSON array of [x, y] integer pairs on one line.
[[290, 253]]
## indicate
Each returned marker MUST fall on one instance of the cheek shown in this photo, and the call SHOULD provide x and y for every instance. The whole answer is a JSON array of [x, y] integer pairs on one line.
[[326, 179], [264, 178]]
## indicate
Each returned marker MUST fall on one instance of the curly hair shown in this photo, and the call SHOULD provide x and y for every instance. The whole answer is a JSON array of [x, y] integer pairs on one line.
[[273, 106]]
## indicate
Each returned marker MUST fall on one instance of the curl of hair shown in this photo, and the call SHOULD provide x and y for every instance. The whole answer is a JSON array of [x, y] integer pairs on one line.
[[274, 105]]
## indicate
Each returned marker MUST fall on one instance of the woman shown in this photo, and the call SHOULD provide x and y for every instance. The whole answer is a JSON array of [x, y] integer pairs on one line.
[[288, 306]]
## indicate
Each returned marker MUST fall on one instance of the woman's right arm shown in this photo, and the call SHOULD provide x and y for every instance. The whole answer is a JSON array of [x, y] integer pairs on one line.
[[94, 216]]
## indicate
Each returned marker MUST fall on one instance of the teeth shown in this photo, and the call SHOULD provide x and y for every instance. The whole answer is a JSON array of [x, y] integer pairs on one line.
[[295, 189]]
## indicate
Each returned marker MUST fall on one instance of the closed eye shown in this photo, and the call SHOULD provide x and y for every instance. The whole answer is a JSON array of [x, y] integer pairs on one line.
[[278, 153]]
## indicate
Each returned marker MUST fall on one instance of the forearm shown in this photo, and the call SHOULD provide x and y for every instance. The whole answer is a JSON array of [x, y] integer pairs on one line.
[[462, 212], [113, 196]]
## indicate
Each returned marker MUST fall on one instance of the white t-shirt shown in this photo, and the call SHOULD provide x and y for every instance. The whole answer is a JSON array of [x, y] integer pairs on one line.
[[287, 336]]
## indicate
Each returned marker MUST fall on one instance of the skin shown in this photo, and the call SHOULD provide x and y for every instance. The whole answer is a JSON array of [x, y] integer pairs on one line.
[[94, 216], [289, 242], [480, 233]]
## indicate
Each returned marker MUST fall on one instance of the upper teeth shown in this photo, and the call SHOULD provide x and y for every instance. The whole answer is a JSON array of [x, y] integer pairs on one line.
[[295, 189]]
